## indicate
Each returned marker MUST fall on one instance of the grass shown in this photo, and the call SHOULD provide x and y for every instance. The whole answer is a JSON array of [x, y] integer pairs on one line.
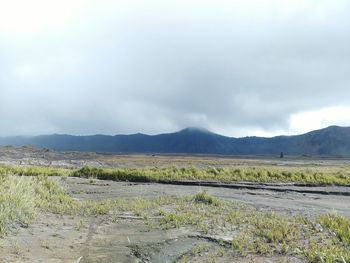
[[34, 171], [265, 232], [205, 198], [273, 228], [17, 202], [22, 198], [311, 176], [252, 174], [339, 225]]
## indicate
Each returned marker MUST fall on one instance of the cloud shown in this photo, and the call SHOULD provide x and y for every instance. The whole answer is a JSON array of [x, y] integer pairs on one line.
[[236, 67], [317, 119]]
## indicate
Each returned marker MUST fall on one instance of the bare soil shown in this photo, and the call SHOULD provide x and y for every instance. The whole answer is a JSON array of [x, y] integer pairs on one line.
[[57, 238]]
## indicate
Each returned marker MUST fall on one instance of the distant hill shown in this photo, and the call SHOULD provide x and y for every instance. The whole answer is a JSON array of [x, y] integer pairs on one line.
[[333, 140]]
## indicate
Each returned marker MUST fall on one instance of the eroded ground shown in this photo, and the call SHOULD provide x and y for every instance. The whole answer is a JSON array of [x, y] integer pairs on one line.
[[141, 235]]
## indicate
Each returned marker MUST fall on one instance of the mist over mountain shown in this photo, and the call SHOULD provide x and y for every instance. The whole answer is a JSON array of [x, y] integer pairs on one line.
[[333, 140]]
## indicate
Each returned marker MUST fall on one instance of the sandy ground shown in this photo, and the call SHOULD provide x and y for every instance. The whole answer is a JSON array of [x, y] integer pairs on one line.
[[288, 201], [45, 157], [56, 238]]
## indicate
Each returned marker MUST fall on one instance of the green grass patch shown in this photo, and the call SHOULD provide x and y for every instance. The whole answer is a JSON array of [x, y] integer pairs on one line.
[[253, 174], [339, 225], [268, 174], [204, 197], [34, 171]]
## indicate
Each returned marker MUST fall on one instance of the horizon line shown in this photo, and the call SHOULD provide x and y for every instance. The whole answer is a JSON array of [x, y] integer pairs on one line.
[[204, 130]]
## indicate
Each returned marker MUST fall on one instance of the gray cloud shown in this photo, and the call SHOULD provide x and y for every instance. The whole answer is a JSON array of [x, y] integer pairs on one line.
[[156, 66]]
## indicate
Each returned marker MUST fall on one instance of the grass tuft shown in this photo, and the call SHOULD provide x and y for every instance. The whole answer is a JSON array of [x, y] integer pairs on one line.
[[17, 203], [205, 198]]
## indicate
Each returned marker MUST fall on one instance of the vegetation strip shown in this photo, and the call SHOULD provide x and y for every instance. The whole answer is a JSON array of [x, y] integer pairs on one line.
[[307, 176]]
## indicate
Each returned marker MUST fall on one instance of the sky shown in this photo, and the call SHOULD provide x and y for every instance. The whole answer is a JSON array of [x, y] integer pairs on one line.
[[235, 67]]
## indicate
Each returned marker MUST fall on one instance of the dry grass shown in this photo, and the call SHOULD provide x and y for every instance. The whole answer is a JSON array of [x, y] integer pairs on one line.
[[17, 202]]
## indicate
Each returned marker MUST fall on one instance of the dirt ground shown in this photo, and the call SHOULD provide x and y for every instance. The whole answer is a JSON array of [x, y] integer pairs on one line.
[[57, 238], [45, 157]]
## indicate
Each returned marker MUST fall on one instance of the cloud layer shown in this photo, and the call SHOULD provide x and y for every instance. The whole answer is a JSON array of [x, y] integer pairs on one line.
[[235, 67]]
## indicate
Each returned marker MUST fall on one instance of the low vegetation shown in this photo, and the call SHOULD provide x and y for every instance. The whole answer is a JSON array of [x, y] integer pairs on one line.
[[339, 225], [252, 174], [17, 202], [205, 198], [309, 176], [34, 171]]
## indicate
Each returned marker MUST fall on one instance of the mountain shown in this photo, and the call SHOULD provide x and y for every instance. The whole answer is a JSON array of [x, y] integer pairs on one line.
[[333, 140]]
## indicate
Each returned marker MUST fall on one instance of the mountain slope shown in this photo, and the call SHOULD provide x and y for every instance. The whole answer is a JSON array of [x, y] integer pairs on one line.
[[333, 140]]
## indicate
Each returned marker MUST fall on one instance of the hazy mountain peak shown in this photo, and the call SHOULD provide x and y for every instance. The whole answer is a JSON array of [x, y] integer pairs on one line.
[[195, 130]]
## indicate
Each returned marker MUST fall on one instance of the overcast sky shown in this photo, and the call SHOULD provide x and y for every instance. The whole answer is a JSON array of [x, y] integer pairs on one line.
[[236, 67]]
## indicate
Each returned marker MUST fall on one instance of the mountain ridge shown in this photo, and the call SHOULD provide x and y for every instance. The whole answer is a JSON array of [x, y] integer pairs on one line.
[[333, 140]]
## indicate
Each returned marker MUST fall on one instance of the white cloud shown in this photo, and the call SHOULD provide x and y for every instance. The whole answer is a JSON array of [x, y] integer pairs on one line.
[[22, 17], [317, 119], [246, 67]]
